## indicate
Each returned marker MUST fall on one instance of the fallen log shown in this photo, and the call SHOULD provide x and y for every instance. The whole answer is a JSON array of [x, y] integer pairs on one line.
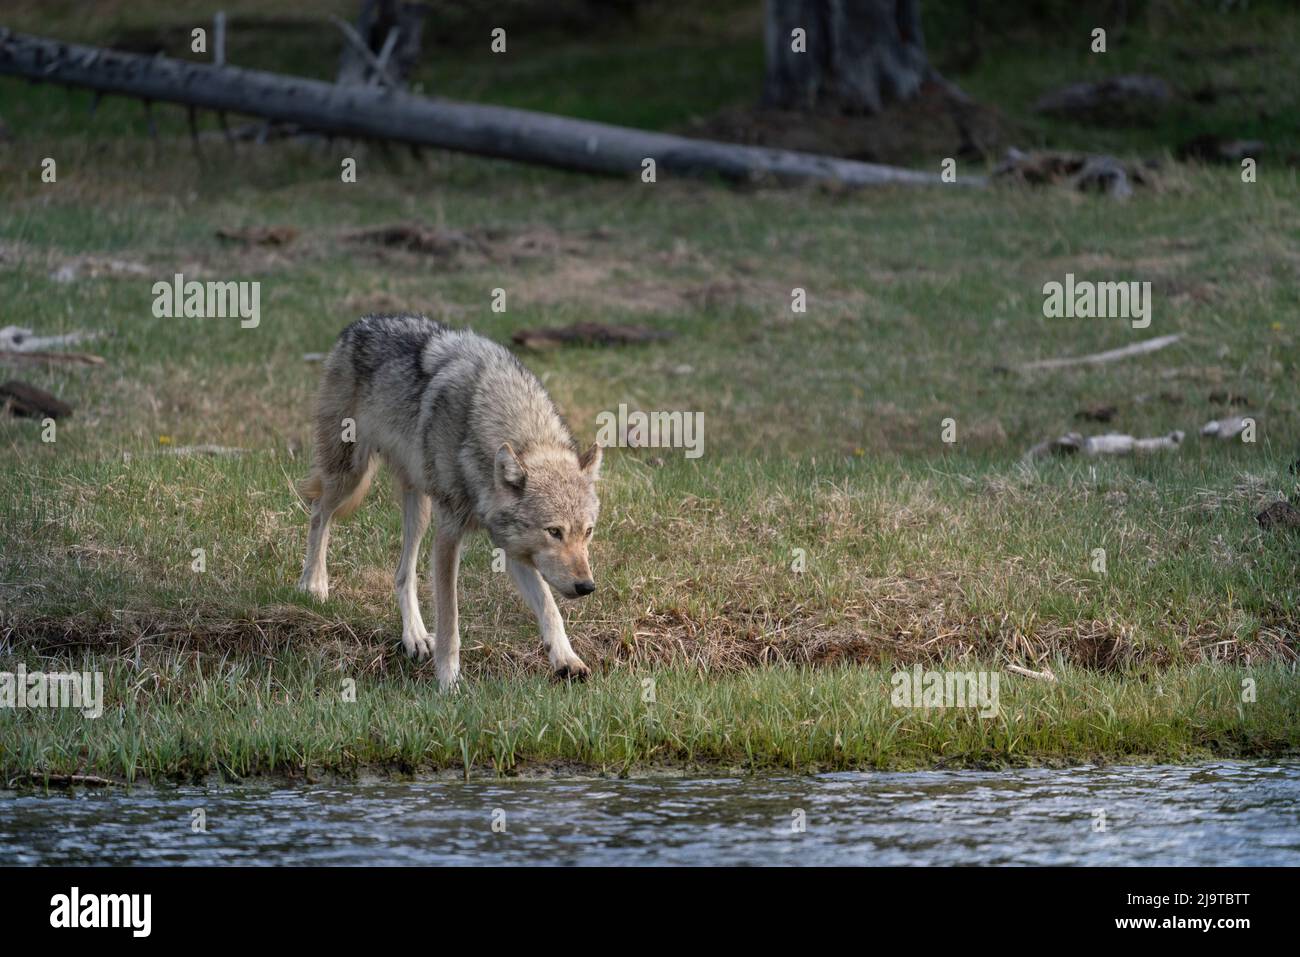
[[383, 113], [27, 401]]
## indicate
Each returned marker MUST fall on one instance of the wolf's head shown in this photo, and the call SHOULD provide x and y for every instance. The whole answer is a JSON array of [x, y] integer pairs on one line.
[[545, 511]]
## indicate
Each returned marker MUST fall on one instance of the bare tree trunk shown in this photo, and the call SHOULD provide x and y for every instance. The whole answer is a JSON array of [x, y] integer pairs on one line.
[[376, 20], [857, 57]]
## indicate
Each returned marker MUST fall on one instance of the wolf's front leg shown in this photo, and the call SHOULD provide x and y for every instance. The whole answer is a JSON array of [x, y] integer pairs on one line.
[[415, 520], [564, 661], [446, 564]]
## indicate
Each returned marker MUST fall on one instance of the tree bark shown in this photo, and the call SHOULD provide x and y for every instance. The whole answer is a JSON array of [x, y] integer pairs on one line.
[[860, 56]]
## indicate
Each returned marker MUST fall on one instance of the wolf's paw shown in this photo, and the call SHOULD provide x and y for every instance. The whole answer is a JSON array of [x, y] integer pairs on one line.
[[320, 590], [448, 677], [571, 670], [418, 644]]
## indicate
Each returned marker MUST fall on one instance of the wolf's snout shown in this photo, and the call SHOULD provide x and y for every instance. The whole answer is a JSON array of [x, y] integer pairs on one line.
[[584, 587]]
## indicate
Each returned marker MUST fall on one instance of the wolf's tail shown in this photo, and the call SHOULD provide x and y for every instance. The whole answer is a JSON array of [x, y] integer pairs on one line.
[[358, 493], [347, 489], [309, 488]]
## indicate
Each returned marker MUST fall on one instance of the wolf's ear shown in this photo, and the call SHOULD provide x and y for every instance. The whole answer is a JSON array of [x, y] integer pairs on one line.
[[589, 461], [509, 470]]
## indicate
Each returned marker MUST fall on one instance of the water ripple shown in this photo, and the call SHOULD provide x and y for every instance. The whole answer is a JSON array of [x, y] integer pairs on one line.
[[1217, 814]]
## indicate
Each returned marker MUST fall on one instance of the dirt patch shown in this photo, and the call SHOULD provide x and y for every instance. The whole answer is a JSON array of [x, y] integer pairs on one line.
[[597, 282], [1280, 515], [930, 127], [586, 334], [1130, 99], [607, 279], [479, 246], [413, 238], [1098, 412], [888, 626], [386, 302], [260, 235]]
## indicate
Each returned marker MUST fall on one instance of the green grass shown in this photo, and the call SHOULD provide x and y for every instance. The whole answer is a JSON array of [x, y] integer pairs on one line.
[[822, 433], [696, 563], [1221, 66], [240, 718]]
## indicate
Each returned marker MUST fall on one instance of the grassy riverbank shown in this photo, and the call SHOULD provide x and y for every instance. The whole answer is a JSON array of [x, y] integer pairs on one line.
[[177, 721], [827, 533]]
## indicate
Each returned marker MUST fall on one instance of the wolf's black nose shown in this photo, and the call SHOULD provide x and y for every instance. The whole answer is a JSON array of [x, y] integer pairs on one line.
[[584, 588]]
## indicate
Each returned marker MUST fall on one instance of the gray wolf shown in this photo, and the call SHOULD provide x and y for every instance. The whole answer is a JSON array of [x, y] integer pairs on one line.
[[470, 433]]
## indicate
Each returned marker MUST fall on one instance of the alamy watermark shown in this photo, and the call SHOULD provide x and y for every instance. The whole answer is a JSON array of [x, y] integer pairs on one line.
[[23, 689], [133, 912], [652, 430], [179, 299], [946, 689], [1084, 299]]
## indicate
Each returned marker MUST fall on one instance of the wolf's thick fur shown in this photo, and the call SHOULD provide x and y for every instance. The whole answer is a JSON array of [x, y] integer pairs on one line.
[[469, 431]]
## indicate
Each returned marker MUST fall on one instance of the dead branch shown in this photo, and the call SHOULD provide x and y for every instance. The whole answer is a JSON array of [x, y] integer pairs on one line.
[[1044, 675], [1111, 443], [72, 358], [18, 339], [1098, 358]]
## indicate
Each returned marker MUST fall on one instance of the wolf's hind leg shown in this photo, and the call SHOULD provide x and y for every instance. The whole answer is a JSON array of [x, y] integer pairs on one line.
[[339, 495], [564, 661], [446, 565], [415, 521]]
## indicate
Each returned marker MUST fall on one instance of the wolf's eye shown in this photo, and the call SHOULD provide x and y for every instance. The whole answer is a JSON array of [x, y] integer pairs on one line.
[[589, 531], [555, 533]]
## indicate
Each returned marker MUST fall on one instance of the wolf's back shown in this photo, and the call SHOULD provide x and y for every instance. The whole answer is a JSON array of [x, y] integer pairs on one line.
[[437, 404], [371, 341]]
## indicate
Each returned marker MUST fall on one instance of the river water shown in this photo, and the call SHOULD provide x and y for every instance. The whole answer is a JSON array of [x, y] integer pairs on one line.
[[1211, 814]]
